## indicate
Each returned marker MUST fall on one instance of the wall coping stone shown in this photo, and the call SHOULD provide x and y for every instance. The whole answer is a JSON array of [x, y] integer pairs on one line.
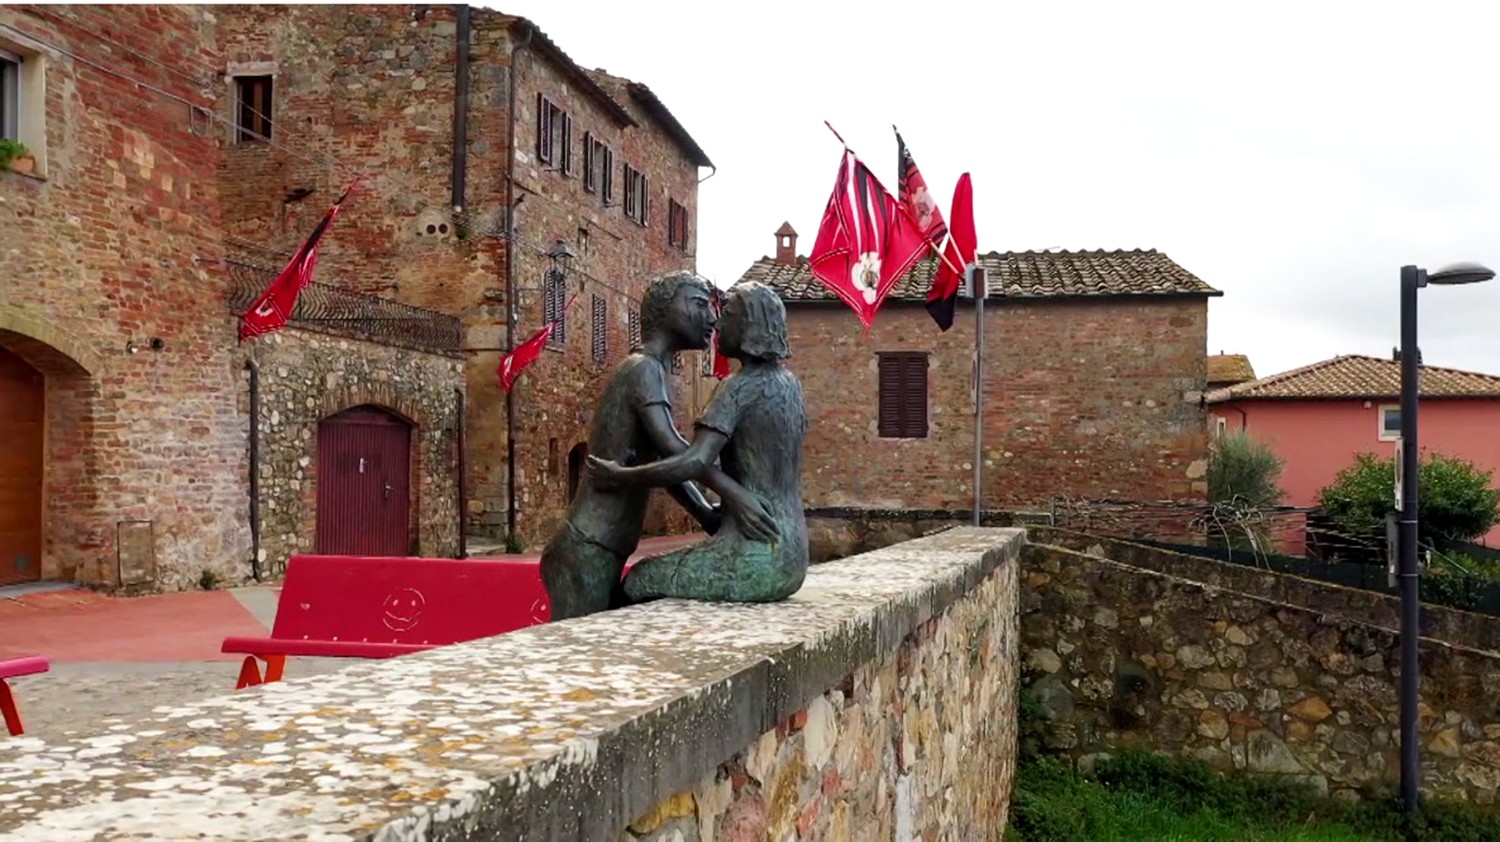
[[563, 731]]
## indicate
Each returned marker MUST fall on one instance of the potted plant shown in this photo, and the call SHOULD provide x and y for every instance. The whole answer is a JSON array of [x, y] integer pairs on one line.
[[15, 156]]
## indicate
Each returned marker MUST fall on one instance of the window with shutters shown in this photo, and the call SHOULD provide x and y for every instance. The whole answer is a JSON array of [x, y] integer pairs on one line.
[[598, 168], [634, 327], [601, 331], [677, 225], [903, 395], [554, 308], [636, 195], [554, 135]]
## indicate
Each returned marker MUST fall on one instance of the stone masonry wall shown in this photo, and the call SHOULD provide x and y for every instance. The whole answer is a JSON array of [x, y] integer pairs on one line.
[[1096, 399], [111, 243], [371, 89], [1119, 655], [306, 377]]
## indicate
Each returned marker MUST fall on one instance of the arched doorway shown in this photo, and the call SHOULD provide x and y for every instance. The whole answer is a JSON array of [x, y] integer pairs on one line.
[[364, 483], [576, 458], [22, 410]]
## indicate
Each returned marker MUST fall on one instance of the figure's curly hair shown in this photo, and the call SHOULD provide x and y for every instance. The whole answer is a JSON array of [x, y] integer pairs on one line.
[[763, 332], [656, 304]]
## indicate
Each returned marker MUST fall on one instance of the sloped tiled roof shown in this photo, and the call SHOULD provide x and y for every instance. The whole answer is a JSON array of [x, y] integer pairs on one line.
[[1027, 274], [1229, 368], [538, 41], [1355, 377]]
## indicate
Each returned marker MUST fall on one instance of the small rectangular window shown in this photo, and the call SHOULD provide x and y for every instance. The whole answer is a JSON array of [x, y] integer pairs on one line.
[[677, 224], [253, 104], [903, 395], [10, 96], [554, 308], [1390, 423], [601, 330], [554, 135], [636, 195], [634, 322]]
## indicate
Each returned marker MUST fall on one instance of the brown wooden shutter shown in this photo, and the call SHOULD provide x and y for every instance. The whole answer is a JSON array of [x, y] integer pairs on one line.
[[902, 386], [543, 129], [914, 397], [567, 145]]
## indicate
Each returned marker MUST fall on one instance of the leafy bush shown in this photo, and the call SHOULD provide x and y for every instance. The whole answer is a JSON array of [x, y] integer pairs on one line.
[[1244, 472], [1454, 499]]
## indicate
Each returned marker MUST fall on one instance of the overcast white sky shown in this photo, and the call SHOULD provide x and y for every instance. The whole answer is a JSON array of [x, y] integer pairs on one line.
[[1293, 155]]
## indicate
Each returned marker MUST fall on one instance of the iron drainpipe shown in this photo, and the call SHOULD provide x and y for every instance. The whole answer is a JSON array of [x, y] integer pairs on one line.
[[254, 368], [460, 179], [510, 287]]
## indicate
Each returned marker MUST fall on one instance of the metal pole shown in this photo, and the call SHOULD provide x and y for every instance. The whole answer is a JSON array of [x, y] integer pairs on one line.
[[1411, 279], [977, 285]]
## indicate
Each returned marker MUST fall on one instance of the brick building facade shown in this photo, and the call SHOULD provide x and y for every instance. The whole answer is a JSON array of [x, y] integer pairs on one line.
[[1094, 373], [125, 445], [564, 155]]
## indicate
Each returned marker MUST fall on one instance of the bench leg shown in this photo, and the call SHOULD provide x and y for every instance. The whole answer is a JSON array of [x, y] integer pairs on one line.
[[250, 670], [8, 707]]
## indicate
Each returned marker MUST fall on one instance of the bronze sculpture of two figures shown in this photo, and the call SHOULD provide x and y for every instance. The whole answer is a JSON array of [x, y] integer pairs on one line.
[[747, 448]]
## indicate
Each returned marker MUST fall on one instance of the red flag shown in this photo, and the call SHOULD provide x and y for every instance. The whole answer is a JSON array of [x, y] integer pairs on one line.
[[271, 310], [865, 242], [912, 192], [942, 297], [721, 362], [515, 362]]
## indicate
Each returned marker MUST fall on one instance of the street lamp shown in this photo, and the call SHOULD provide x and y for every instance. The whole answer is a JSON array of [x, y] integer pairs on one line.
[[1413, 279]]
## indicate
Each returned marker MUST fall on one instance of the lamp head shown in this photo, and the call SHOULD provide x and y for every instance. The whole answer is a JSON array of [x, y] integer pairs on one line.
[[1460, 273]]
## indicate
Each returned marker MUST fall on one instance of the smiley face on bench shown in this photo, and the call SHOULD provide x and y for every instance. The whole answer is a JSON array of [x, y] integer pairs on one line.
[[403, 609]]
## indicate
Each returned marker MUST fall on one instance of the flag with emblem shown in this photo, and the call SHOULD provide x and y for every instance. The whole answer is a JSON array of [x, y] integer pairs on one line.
[[271, 310], [865, 242], [921, 205]]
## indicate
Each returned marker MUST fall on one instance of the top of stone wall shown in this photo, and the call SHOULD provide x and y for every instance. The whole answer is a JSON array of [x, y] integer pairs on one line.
[[562, 731]]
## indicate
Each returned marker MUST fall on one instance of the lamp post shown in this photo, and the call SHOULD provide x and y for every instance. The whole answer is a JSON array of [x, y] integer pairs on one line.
[[1413, 279]]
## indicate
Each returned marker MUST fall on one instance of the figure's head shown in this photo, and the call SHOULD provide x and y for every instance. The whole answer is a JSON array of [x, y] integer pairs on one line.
[[752, 325], [679, 307]]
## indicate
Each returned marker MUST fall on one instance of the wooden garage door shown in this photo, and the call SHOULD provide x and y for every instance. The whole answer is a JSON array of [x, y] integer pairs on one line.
[[364, 484], [21, 413]]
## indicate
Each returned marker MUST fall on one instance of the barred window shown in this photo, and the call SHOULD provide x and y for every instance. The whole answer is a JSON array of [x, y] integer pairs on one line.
[[635, 328], [677, 362], [601, 332], [554, 308]]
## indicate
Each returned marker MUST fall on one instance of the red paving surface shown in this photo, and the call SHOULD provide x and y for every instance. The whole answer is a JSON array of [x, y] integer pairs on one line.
[[81, 625]]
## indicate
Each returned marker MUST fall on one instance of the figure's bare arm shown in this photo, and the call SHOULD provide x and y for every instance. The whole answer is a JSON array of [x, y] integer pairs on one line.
[[663, 433], [696, 462]]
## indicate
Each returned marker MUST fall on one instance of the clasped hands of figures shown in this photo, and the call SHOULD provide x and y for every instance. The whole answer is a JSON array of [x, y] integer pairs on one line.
[[751, 512]]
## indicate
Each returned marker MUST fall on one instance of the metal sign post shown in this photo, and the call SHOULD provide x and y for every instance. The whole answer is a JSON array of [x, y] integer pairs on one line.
[[977, 286]]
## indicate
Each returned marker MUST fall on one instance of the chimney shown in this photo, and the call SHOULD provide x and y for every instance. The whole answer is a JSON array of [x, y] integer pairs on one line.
[[786, 245]]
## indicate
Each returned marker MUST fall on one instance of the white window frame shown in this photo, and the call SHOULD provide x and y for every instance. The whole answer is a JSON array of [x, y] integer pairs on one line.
[[1380, 430]]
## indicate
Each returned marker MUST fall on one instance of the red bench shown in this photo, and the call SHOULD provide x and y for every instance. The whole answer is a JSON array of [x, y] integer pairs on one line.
[[365, 607], [14, 668]]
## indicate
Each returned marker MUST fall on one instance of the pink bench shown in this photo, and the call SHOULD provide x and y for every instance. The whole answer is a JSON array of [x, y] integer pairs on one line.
[[14, 668], [364, 607]]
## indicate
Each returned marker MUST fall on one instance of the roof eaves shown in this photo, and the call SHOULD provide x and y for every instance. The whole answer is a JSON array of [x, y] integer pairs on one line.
[[546, 47], [659, 112]]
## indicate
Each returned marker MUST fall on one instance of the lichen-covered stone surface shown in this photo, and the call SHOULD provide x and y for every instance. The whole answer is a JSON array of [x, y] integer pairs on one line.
[[896, 667], [1114, 654], [306, 377]]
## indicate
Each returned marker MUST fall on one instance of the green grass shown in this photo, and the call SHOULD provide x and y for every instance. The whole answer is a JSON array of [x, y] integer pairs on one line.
[[1139, 796]]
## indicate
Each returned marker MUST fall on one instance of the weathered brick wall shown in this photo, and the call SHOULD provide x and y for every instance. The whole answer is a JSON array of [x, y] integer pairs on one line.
[[116, 243], [1095, 399], [370, 89], [306, 377], [1258, 671]]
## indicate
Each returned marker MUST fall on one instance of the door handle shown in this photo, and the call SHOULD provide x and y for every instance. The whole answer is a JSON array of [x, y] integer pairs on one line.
[[387, 491]]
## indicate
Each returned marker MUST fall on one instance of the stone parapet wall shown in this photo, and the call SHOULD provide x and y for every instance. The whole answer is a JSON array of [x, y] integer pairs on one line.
[[1116, 654], [877, 703]]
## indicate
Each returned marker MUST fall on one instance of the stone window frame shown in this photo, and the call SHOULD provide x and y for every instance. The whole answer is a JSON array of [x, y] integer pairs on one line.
[[902, 388], [234, 73], [637, 196], [1221, 425], [598, 168], [555, 308], [554, 135], [677, 225], [600, 343], [1383, 431], [26, 78]]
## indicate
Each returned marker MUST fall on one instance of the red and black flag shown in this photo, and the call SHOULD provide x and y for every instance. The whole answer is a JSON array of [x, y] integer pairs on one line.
[[865, 242], [942, 295], [274, 307], [523, 355]]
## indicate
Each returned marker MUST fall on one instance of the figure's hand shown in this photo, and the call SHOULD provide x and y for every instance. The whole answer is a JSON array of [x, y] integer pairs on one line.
[[606, 473], [753, 514]]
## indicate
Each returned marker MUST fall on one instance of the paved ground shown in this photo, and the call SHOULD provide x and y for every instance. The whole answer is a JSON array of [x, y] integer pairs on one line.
[[122, 657]]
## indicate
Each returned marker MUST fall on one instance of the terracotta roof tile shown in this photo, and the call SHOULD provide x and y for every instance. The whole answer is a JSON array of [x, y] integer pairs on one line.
[[1229, 368], [1355, 376], [1028, 274]]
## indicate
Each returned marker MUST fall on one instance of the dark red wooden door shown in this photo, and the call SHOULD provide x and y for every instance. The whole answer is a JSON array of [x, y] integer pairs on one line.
[[364, 484], [21, 411]]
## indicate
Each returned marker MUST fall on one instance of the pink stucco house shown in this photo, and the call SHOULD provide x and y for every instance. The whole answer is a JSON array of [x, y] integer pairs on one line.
[[1319, 416]]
